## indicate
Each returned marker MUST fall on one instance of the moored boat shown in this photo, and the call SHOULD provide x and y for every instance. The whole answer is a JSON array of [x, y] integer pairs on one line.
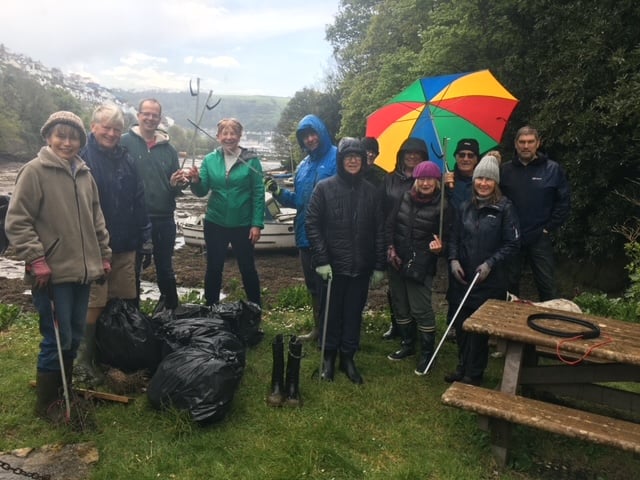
[[278, 232]]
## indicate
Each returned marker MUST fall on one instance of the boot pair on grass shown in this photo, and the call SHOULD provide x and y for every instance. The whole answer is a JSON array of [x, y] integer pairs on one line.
[[285, 391]]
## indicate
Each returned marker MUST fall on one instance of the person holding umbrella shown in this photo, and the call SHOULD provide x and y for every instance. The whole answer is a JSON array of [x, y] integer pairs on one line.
[[55, 223], [346, 233], [485, 235], [459, 190], [411, 152], [414, 246]]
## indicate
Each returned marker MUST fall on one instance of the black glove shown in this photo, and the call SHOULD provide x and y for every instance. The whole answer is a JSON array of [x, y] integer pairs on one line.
[[271, 185]]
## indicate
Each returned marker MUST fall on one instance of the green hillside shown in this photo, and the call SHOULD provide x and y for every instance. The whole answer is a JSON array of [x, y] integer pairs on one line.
[[256, 113]]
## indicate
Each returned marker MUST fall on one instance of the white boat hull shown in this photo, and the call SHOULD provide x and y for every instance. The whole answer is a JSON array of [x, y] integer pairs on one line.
[[275, 235]]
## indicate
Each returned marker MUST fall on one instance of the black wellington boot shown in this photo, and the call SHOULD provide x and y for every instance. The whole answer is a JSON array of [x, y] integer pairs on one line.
[[48, 390], [407, 332], [348, 366], [328, 365], [292, 382], [427, 347], [276, 397]]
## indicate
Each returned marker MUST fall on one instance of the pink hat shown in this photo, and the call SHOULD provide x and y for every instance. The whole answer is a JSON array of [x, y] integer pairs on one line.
[[427, 169]]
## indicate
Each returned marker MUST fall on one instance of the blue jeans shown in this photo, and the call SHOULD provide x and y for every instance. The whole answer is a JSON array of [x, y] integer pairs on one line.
[[163, 235], [217, 239], [539, 255], [70, 302], [347, 300]]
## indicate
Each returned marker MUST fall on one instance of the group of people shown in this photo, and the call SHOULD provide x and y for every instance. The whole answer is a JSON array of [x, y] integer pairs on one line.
[[88, 214], [356, 224]]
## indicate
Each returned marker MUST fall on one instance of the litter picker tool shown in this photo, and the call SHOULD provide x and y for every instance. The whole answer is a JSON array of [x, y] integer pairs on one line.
[[198, 127], [199, 115], [65, 387], [444, 335], [324, 327]]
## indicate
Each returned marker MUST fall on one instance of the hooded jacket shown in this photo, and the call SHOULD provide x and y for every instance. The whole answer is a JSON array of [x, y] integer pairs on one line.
[[396, 183], [483, 234], [317, 165], [155, 166], [121, 195], [237, 197], [540, 193], [55, 213], [344, 220]]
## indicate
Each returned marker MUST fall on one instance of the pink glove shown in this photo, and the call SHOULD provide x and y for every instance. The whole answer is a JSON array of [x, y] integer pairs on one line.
[[106, 266], [41, 271]]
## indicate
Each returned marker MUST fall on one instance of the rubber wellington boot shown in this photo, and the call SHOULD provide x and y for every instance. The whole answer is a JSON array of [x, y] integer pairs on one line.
[[87, 370], [328, 365], [407, 332], [348, 366], [292, 382], [48, 389], [427, 347], [277, 395]]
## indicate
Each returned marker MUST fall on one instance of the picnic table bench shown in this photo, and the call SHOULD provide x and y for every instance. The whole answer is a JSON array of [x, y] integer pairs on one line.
[[614, 356]]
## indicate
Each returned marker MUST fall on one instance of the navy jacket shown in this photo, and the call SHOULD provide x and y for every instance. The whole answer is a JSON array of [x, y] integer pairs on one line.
[[483, 234], [121, 195], [540, 193]]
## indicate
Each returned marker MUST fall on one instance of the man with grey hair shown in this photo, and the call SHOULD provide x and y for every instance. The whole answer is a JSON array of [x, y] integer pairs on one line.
[[539, 189], [122, 201]]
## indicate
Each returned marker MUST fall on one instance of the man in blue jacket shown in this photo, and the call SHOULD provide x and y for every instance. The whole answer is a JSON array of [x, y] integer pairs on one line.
[[122, 202], [539, 189], [320, 162]]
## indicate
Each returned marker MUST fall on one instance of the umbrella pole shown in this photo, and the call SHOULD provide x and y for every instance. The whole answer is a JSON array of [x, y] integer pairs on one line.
[[445, 140]]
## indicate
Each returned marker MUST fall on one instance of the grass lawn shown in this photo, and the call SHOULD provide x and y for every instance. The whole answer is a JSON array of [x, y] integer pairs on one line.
[[392, 427]]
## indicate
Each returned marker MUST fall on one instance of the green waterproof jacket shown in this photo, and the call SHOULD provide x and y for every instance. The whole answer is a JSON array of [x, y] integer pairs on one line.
[[237, 197], [155, 165]]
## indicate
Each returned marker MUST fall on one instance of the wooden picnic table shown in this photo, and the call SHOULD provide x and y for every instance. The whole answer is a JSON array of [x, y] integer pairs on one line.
[[613, 356], [529, 376]]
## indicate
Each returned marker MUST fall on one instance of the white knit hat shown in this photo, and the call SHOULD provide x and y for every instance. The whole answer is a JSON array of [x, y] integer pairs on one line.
[[488, 168]]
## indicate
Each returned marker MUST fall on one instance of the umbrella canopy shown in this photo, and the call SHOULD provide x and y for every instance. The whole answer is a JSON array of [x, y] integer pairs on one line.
[[451, 107]]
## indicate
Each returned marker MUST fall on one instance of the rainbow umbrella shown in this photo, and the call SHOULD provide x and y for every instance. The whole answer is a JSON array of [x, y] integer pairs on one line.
[[440, 110]]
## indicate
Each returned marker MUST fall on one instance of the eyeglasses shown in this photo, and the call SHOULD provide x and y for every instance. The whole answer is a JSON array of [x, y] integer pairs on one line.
[[466, 154], [153, 116]]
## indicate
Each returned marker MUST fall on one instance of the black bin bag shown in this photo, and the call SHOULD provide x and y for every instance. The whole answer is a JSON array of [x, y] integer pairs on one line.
[[174, 333], [201, 377], [243, 318], [125, 338]]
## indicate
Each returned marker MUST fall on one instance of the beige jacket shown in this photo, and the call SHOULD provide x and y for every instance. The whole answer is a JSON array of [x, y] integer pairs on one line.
[[56, 213]]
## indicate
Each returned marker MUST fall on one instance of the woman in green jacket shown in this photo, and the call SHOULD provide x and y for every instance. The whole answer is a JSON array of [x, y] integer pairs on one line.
[[235, 209]]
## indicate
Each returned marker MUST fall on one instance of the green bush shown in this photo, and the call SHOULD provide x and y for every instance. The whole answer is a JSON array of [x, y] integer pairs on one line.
[[8, 315], [603, 306]]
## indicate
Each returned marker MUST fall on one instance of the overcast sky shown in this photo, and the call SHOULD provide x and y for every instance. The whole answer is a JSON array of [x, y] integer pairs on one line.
[[247, 47]]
